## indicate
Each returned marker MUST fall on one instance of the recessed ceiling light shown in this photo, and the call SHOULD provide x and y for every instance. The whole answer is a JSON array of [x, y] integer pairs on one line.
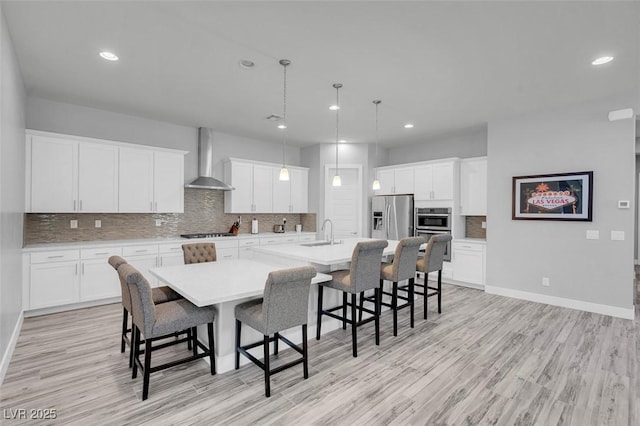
[[282, 126], [109, 56], [334, 107], [602, 60], [246, 64], [342, 141], [408, 126]]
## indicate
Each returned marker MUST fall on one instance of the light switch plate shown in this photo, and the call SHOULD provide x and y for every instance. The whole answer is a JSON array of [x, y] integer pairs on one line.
[[624, 204], [98, 223], [593, 234], [158, 222], [617, 235], [73, 223]]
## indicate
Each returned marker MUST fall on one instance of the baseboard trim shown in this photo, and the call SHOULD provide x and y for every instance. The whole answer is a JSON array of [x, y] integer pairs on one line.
[[596, 308], [8, 354]]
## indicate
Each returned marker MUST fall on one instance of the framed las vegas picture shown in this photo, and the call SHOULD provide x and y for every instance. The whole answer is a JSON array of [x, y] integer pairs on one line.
[[560, 196]]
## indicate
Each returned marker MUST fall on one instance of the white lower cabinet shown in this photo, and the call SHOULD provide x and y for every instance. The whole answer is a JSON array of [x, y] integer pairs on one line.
[[468, 262], [58, 278], [53, 284]]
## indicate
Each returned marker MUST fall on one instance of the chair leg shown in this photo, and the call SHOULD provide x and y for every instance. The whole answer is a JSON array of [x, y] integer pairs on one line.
[[394, 307], [135, 334], [319, 318], [344, 311], [305, 356], [424, 293], [125, 320], [212, 348], [194, 335], [189, 338], [238, 330], [376, 308], [411, 302], [275, 343], [440, 291], [147, 368], [267, 369], [361, 305], [354, 334]]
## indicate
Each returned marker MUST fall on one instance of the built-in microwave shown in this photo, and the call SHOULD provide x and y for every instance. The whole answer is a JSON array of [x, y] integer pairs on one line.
[[436, 218]]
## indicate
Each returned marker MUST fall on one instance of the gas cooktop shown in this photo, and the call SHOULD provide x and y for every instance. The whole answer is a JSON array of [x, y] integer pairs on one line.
[[207, 235]]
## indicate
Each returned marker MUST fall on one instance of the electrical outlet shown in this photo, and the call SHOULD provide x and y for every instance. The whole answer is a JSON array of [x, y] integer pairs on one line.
[[545, 281], [484, 225], [98, 223], [158, 222], [73, 223], [593, 234], [617, 235]]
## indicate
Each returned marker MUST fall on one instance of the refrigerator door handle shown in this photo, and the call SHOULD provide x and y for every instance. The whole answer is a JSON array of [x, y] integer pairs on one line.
[[388, 219]]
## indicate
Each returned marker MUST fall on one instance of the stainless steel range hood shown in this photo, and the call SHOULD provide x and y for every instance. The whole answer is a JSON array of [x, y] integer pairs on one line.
[[205, 179]]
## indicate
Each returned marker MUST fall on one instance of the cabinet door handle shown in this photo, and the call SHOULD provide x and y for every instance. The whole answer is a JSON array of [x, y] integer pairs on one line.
[[150, 206], [74, 205], [160, 260], [76, 269], [80, 205], [55, 257], [155, 206], [82, 268]]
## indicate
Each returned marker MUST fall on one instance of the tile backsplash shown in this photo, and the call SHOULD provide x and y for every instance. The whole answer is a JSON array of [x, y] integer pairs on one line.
[[203, 212], [473, 227]]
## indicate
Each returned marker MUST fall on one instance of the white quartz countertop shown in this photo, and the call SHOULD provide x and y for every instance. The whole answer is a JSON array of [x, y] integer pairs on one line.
[[321, 254], [142, 241], [210, 283]]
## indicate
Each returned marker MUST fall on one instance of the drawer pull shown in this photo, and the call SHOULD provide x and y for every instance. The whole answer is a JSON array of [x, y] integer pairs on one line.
[[228, 256], [103, 253], [55, 257], [176, 248], [141, 251]]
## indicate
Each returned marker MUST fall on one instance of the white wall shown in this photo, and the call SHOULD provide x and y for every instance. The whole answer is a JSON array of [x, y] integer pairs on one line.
[[464, 144], [60, 117], [594, 273], [12, 151]]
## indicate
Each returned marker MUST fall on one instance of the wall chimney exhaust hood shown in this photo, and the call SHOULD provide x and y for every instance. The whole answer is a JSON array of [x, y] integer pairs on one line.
[[205, 179]]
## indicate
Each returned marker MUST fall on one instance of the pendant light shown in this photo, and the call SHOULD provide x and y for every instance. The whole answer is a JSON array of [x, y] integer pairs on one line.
[[336, 178], [284, 172], [376, 182]]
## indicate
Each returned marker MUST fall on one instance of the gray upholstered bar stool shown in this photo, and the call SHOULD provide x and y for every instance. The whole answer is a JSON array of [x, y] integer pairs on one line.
[[159, 294], [199, 253], [432, 262], [285, 304], [400, 269], [363, 275], [156, 322]]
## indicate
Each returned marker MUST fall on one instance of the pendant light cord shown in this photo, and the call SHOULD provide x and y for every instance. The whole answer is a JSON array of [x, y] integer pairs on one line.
[[284, 115], [337, 123]]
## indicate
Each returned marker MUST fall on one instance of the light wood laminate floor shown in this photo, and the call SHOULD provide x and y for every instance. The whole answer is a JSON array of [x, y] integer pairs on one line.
[[485, 360]]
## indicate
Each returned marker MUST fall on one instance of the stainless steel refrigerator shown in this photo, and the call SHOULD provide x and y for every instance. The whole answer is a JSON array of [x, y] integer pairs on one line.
[[392, 216]]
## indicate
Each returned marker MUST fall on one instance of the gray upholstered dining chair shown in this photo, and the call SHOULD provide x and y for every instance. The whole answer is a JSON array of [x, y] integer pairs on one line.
[[432, 262], [156, 322], [363, 275], [199, 253], [159, 295], [400, 269], [284, 305]]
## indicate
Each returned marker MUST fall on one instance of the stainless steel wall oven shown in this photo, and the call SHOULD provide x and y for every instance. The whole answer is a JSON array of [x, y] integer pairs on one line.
[[433, 221]]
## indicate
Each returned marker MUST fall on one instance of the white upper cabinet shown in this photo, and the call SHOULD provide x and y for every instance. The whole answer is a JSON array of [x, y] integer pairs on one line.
[[52, 175], [136, 180], [258, 188], [299, 190], [473, 186], [97, 178], [291, 196], [168, 182], [71, 176], [434, 181], [151, 182], [395, 180], [66, 174]]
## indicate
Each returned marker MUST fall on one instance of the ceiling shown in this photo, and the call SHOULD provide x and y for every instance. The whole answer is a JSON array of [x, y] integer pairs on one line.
[[444, 66]]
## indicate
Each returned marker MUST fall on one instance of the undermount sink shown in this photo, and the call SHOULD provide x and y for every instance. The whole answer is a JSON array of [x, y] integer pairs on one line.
[[320, 243]]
